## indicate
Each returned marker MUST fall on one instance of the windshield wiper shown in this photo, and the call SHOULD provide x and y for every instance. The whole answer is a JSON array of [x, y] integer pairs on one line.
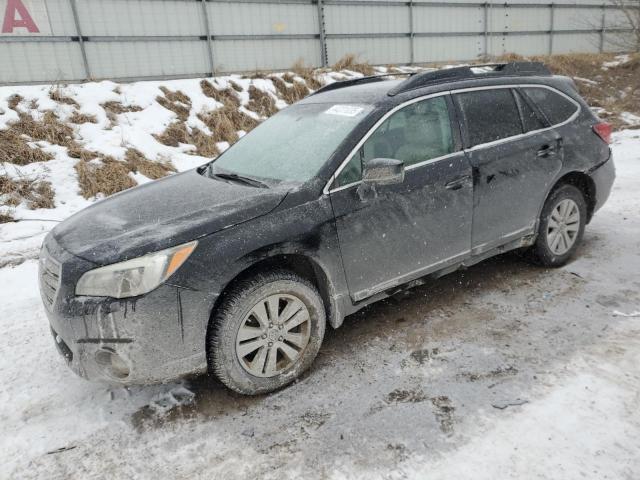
[[242, 179]]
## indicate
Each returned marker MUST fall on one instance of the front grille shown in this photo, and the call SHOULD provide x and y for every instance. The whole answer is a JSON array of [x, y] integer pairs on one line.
[[49, 278]]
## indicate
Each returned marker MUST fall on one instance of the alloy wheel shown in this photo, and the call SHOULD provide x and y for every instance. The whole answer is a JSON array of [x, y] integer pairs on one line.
[[563, 226], [273, 335]]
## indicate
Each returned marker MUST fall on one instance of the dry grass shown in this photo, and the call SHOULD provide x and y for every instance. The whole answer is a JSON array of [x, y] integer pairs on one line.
[[177, 102], [14, 100], [258, 74], [226, 96], [57, 96], [349, 62], [292, 94], [616, 90], [137, 162], [225, 121], [14, 148], [205, 144], [101, 174], [261, 102], [79, 118], [116, 108], [77, 151], [307, 74], [177, 133], [108, 176], [14, 142], [221, 123], [235, 86], [49, 129], [36, 193], [6, 217]]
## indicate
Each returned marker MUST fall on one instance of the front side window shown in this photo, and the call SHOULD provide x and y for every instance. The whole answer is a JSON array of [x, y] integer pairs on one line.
[[555, 107], [489, 115], [293, 144], [417, 133]]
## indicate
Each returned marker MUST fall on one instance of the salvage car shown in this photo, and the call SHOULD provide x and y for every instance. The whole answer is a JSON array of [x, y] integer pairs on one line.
[[364, 188]]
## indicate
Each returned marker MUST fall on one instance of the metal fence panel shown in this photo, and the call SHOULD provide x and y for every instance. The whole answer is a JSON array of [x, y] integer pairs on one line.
[[373, 50], [524, 44], [60, 17], [147, 59], [366, 19], [262, 18], [445, 49], [140, 17], [576, 43], [250, 55], [514, 19], [40, 62], [578, 18], [447, 19], [124, 39]]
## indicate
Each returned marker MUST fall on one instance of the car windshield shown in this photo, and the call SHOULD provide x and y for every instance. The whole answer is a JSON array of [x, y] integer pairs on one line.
[[293, 144]]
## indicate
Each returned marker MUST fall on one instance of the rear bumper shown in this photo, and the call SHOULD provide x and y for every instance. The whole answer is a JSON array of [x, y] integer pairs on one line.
[[603, 177], [153, 338]]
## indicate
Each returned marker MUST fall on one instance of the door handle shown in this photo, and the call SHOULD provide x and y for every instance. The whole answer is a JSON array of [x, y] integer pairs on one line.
[[457, 184], [546, 151]]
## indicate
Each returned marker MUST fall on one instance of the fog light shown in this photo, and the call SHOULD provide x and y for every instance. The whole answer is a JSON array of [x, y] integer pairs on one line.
[[112, 363]]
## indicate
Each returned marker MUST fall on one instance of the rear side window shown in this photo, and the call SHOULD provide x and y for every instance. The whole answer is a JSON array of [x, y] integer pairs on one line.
[[489, 115], [530, 119], [555, 107]]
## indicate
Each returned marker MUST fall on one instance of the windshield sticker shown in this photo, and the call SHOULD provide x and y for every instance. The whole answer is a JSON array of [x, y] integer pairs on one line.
[[344, 110]]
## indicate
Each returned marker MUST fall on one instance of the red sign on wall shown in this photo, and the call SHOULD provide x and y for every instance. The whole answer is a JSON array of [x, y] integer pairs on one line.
[[24, 17]]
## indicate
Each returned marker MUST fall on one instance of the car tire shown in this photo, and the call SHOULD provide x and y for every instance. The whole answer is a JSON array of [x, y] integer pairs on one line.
[[261, 323], [561, 227]]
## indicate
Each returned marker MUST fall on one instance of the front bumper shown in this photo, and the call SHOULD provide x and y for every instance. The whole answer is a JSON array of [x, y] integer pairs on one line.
[[152, 338]]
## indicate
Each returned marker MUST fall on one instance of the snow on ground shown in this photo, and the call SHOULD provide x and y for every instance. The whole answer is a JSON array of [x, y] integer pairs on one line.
[[501, 371]]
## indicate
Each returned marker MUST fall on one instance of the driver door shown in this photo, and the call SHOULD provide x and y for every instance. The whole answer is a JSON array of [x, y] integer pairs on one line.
[[392, 234]]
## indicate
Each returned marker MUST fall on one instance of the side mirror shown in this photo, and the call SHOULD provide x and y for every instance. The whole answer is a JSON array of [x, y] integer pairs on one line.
[[383, 171]]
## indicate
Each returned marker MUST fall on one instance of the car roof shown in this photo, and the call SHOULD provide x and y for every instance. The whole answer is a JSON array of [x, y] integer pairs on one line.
[[379, 91]]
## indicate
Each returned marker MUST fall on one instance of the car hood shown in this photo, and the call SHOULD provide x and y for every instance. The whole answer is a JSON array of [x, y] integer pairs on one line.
[[161, 214]]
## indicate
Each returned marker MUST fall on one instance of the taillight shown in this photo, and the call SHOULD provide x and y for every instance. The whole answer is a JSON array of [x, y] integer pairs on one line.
[[603, 130]]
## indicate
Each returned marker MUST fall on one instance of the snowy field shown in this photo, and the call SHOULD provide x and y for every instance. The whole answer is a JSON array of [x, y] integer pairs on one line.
[[501, 371]]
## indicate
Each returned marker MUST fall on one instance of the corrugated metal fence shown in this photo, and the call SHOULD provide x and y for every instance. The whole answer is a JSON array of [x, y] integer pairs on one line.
[[72, 40]]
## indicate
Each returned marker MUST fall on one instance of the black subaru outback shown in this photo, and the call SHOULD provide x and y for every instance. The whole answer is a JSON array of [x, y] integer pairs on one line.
[[362, 189]]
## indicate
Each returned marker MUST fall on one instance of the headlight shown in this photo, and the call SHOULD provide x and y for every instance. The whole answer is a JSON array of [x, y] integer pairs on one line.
[[134, 277]]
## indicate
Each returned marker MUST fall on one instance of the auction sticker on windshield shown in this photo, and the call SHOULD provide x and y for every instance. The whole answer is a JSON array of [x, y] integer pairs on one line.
[[344, 110]]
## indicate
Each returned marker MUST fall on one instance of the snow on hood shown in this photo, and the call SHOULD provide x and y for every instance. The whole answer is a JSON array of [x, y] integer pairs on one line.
[[161, 214]]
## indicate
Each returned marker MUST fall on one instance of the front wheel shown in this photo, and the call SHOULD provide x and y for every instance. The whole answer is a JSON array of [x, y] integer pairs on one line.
[[561, 227], [266, 333]]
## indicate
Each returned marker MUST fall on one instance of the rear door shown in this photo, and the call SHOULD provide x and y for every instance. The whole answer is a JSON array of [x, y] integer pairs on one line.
[[401, 232], [514, 156]]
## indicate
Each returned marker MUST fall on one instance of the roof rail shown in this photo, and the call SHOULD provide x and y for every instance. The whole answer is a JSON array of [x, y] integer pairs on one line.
[[511, 69], [357, 81]]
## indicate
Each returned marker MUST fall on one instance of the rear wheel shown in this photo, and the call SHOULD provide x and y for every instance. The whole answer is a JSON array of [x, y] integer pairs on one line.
[[561, 228], [266, 333]]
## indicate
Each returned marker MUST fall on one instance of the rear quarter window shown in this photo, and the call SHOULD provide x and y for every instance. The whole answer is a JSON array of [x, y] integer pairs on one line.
[[489, 115], [554, 106]]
